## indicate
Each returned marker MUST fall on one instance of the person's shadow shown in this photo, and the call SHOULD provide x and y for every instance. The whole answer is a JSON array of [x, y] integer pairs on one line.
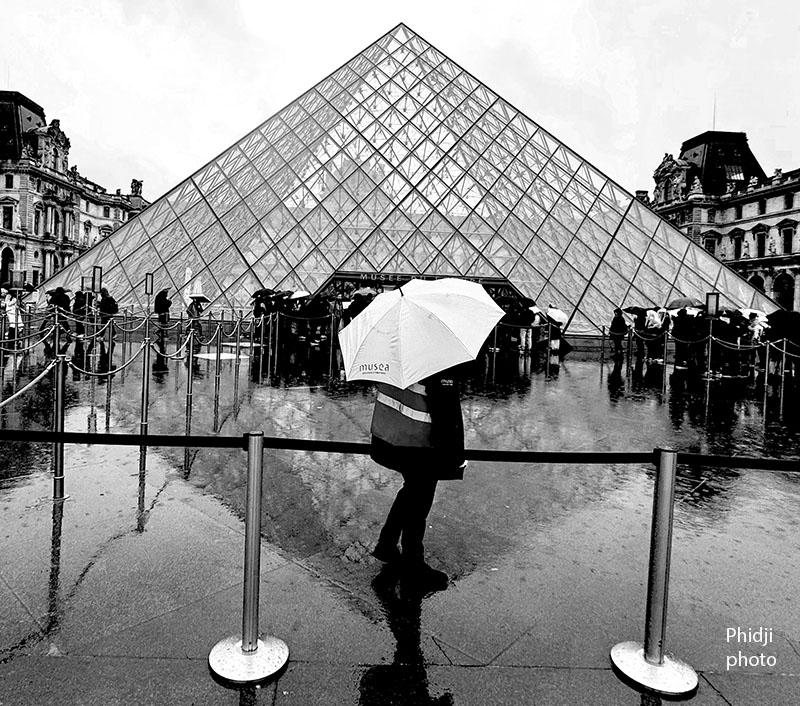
[[404, 681]]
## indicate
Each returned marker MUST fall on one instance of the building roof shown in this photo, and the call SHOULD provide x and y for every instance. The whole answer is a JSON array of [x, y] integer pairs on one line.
[[401, 162], [720, 158]]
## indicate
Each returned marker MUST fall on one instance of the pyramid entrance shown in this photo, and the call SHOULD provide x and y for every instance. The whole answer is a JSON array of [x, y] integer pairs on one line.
[[401, 163]]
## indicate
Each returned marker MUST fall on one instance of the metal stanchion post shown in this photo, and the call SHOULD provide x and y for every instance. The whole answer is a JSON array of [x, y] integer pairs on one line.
[[189, 385], [217, 373], [629, 348], [110, 344], [330, 351], [277, 340], [58, 425], [647, 664], [766, 379], [237, 364], [247, 658], [602, 345], [252, 341], [783, 379], [262, 355], [664, 375], [143, 424]]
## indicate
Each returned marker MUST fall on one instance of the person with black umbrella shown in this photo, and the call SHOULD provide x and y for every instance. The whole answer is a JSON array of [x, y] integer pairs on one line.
[[161, 305]]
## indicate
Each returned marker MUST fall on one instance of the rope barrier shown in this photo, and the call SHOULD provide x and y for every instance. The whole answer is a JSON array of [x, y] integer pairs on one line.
[[107, 373], [178, 354], [69, 437], [27, 387], [363, 448], [233, 330], [131, 330], [88, 337]]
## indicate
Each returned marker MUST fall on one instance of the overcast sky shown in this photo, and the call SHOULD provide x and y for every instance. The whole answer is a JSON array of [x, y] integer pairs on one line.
[[154, 89]]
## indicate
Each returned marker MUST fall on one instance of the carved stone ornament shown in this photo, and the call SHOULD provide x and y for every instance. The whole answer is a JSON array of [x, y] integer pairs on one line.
[[136, 187], [697, 187]]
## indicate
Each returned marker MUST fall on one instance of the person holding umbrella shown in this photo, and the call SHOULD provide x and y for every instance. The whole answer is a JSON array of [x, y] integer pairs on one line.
[[161, 305], [194, 311], [413, 342], [418, 432]]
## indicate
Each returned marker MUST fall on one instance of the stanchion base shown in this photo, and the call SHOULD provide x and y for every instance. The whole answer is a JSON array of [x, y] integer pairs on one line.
[[671, 677], [228, 661]]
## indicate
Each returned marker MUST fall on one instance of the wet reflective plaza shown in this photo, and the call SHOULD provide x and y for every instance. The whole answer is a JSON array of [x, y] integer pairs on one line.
[[556, 554]]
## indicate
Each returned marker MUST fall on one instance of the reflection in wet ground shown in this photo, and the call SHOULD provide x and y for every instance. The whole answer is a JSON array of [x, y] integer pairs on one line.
[[328, 508], [405, 680]]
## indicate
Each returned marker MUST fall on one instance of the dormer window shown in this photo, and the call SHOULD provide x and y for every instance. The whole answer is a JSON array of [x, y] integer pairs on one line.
[[106, 212]]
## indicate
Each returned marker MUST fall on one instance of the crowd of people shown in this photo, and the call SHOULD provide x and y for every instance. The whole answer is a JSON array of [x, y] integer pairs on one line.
[[738, 337]]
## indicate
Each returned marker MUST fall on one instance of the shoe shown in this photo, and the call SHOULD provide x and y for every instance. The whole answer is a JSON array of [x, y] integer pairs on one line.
[[386, 553], [424, 577]]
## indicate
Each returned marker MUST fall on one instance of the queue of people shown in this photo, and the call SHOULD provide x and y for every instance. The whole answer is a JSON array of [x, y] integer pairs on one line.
[[737, 338]]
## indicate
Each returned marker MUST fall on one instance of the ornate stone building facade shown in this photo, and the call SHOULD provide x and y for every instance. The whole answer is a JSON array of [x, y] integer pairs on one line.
[[717, 193], [49, 212]]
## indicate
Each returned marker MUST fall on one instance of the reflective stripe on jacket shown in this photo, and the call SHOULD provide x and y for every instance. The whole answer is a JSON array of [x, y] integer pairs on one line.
[[401, 417]]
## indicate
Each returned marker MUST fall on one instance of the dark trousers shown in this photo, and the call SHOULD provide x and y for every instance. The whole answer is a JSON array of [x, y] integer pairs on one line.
[[408, 515]]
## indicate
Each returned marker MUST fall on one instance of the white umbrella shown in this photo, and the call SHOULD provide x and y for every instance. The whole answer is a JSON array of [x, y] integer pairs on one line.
[[760, 315], [426, 326], [557, 315], [299, 294]]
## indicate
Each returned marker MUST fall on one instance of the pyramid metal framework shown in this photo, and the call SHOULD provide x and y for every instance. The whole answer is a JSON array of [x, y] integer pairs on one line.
[[402, 163]]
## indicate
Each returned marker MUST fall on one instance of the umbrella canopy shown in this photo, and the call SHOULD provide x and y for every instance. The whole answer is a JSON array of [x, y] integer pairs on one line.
[[201, 298], [556, 315], [636, 310], [760, 315], [299, 294], [425, 326], [681, 302], [690, 310], [266, 292]]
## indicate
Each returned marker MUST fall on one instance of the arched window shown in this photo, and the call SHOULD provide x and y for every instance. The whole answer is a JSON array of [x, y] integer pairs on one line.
[[737, 236], [783, 288], [6, 264], [758, 282]]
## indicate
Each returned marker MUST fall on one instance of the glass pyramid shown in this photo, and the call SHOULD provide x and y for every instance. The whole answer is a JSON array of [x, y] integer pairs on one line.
[[402, 163]]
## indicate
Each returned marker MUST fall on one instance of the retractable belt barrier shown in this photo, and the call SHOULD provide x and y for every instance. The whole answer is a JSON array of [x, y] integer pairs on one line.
[[248, 659]]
